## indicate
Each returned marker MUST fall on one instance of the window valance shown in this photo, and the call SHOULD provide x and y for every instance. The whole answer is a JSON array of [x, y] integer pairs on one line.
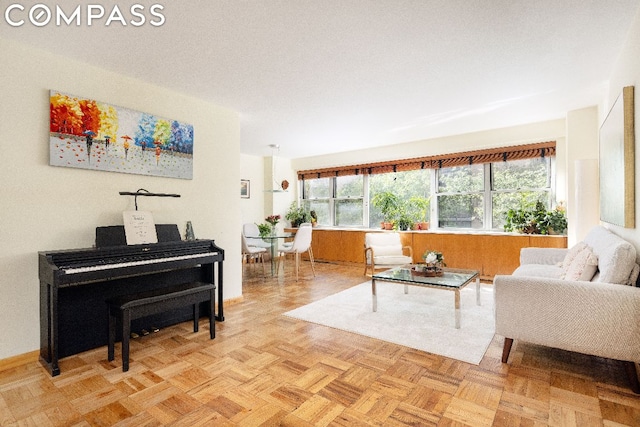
[[528, 151]]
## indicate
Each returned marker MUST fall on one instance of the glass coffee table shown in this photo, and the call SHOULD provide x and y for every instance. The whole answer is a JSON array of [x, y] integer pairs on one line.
[[452, 279]]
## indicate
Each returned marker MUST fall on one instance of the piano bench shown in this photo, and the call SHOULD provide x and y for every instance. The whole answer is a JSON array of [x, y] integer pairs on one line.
[[133, 306]]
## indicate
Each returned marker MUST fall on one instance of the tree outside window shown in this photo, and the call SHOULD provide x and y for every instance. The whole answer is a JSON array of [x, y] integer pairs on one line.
[[461, 197], [349, 208]]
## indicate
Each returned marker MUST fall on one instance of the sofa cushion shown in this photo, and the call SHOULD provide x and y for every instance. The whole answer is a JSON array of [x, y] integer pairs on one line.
[[582, 267], [616, 256], [392, 260], [382, 239], [572, 253], [539, 270], [388, 250]]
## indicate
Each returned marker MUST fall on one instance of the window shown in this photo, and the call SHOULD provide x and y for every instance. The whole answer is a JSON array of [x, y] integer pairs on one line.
[[469, 190], [336, 201], [349, 199], [518, 183], [403, 184], [317, 195], [461, 197]]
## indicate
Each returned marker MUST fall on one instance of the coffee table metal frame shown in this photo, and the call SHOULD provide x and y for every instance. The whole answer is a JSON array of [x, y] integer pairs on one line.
[[452, 279]]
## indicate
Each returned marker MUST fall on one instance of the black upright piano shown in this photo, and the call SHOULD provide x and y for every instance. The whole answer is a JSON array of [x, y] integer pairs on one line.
[[74, 285]]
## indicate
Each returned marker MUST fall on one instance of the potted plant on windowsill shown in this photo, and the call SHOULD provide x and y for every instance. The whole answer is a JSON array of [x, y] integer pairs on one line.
[[388, 203], [536, 220], [404, 221], [556, 221], [418, 208], [297, 215]]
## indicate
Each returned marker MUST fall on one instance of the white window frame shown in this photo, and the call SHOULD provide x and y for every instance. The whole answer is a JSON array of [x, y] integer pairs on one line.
[[434, 211]]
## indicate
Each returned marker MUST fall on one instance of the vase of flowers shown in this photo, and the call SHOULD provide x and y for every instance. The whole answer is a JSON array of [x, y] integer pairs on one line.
[[434, 261], [273, 220]]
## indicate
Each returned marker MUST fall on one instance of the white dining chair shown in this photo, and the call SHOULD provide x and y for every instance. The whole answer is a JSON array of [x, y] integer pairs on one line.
[[252, 253], [290, 243], [301, 243], [250, 232]]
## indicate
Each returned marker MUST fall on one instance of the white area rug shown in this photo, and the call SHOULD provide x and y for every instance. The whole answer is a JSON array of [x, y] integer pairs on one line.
[[423, 319]]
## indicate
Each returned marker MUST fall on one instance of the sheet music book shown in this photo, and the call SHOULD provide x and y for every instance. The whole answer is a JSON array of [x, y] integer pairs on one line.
[[139, 227]]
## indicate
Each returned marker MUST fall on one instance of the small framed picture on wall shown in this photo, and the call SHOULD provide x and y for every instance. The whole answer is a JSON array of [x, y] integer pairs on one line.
[[245, 188]]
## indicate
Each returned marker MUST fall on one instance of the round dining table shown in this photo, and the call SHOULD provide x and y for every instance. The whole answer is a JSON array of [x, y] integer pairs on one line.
[[273, 240]]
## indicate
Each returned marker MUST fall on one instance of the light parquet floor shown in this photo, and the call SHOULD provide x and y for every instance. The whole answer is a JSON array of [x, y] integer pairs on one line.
[[267, 369]]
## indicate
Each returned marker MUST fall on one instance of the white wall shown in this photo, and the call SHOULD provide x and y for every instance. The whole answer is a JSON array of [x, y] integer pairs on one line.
[[261, 203], [252, 168], [46, 208], [275, 170], [582, 146], [626, 72]]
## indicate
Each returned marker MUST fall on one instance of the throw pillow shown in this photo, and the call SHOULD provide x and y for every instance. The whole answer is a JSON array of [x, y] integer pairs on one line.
[[571, 255], [616, 256], [583, 266]]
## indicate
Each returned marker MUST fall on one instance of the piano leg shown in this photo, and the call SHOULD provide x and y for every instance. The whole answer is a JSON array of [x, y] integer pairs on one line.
[[126, 334], [196, 317], [49, 328], [112, 334], [210, 276], [212, 317], [220, 316]]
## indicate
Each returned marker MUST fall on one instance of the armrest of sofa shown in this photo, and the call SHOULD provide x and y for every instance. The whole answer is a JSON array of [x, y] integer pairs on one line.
[[600, 319], [550, 256]]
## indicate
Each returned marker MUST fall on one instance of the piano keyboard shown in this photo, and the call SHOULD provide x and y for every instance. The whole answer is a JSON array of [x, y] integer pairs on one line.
[[108, 266]]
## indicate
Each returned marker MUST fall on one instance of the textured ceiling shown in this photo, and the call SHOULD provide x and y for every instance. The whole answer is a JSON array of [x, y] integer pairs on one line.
[[327, 76]]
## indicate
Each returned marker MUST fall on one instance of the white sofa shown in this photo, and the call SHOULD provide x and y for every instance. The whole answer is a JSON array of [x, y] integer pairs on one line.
[[582, 299], [385, 250]]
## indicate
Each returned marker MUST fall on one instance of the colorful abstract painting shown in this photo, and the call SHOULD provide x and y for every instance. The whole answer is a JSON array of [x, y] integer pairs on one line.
[[88, 134]]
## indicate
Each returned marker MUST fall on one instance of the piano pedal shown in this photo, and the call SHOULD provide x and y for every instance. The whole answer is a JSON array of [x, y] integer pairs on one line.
[[155, 329], [144, 332], [134, 335]]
